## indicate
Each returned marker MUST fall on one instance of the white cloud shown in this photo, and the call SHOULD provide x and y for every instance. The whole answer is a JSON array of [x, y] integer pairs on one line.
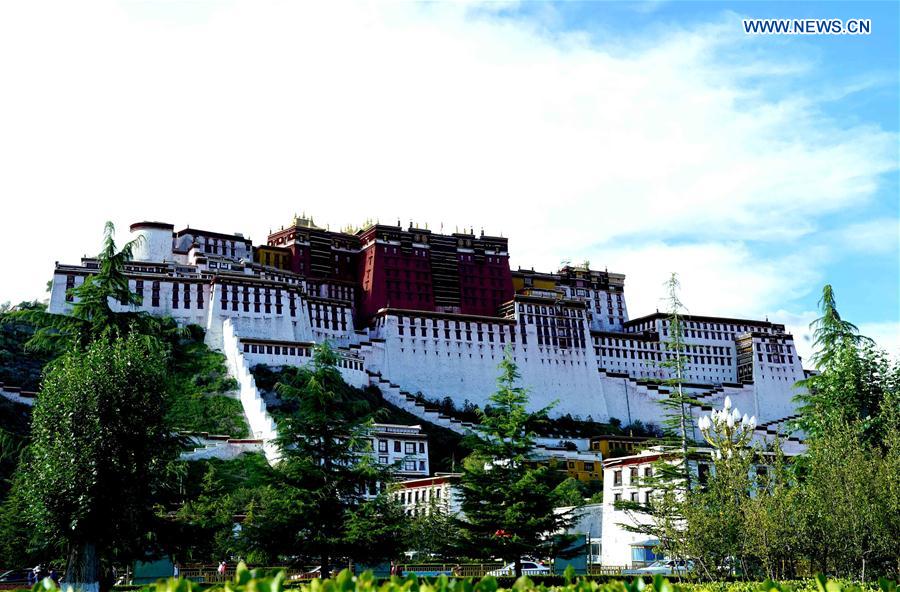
[[877, 236], [234, 116]]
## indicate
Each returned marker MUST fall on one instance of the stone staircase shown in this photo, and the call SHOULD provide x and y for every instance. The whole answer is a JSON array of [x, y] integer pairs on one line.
[[17, 395], [394, 395], [262, 425]]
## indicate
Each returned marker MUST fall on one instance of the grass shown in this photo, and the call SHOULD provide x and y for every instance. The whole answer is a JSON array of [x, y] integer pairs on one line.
[[197, 385]]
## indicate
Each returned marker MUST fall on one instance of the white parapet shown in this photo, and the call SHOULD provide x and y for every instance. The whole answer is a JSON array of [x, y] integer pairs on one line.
[[261, 423]]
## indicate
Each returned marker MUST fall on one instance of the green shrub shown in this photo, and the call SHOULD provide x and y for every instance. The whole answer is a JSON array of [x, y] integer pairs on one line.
[[247, 580], [197, 382]]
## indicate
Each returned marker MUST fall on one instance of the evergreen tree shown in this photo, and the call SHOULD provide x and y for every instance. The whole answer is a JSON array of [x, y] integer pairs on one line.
[[847, 482], [91, 316], [435, 533], [661, 516], [831, 332], [508, 502], [678, 425], [854, 380], [377, 530], [99, 442], [324, 470]]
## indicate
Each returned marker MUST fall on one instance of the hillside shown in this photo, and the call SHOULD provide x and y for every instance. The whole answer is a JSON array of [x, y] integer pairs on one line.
[[446, 448], [20, 366], [199, 386]]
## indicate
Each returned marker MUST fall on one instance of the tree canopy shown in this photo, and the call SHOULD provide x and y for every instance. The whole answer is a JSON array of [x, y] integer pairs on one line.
[[508, 499], [100, 444], [319, 510]]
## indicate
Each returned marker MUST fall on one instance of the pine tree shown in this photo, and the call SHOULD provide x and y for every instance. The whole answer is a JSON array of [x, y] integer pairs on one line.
[[325, 467], [831, 332], [91, 316], [852, 383], [678, 425], [661, 516], [508, 502]]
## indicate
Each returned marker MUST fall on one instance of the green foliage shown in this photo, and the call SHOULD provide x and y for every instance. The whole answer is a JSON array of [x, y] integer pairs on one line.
[[317, 510], [434, 534], [662, 515], [507, 501], [15, 422], [263, 580], [446, 448], [678, 423], [835, 509], [772, 540], [831, 332], [848, 501], [197, 378], [92, 317], [19, 365], [99, 445], [212, 492], [377, 529], [858, 384]]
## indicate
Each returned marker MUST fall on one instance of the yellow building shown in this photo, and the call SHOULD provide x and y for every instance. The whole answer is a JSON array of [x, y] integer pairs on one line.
[[278, 257], [585, 470], [526, 281], [584, 466], [610, 446]]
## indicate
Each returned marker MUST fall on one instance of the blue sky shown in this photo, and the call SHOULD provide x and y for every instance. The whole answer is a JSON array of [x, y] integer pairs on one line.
[[867, 282], [644, 137]]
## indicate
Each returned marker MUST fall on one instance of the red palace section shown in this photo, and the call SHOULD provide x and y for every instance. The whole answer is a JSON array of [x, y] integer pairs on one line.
[[392, 267]]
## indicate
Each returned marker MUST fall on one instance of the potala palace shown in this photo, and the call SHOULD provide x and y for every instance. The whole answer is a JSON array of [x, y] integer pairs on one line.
[[411, 310]]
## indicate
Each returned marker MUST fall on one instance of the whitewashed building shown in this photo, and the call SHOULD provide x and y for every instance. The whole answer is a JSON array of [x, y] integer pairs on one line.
[[410, 310], [625, 479], [424, 495], [404, 447]]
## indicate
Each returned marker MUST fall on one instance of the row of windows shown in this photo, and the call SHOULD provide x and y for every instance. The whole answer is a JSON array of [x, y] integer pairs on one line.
[[407, 465], [298, 351], [774, 347], [213, 246], [261, 300], [413, 497], [550, 310], [328, 316], [626, 343], [633, 476], [407, 447], [458, 332], [186, 292]]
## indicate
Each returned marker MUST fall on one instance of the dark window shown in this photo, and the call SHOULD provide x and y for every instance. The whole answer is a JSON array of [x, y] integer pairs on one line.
[[703, 473], [70, 284]]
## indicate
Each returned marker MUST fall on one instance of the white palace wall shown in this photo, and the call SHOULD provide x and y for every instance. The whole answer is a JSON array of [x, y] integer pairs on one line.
[[468, 369], [605, 378]]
